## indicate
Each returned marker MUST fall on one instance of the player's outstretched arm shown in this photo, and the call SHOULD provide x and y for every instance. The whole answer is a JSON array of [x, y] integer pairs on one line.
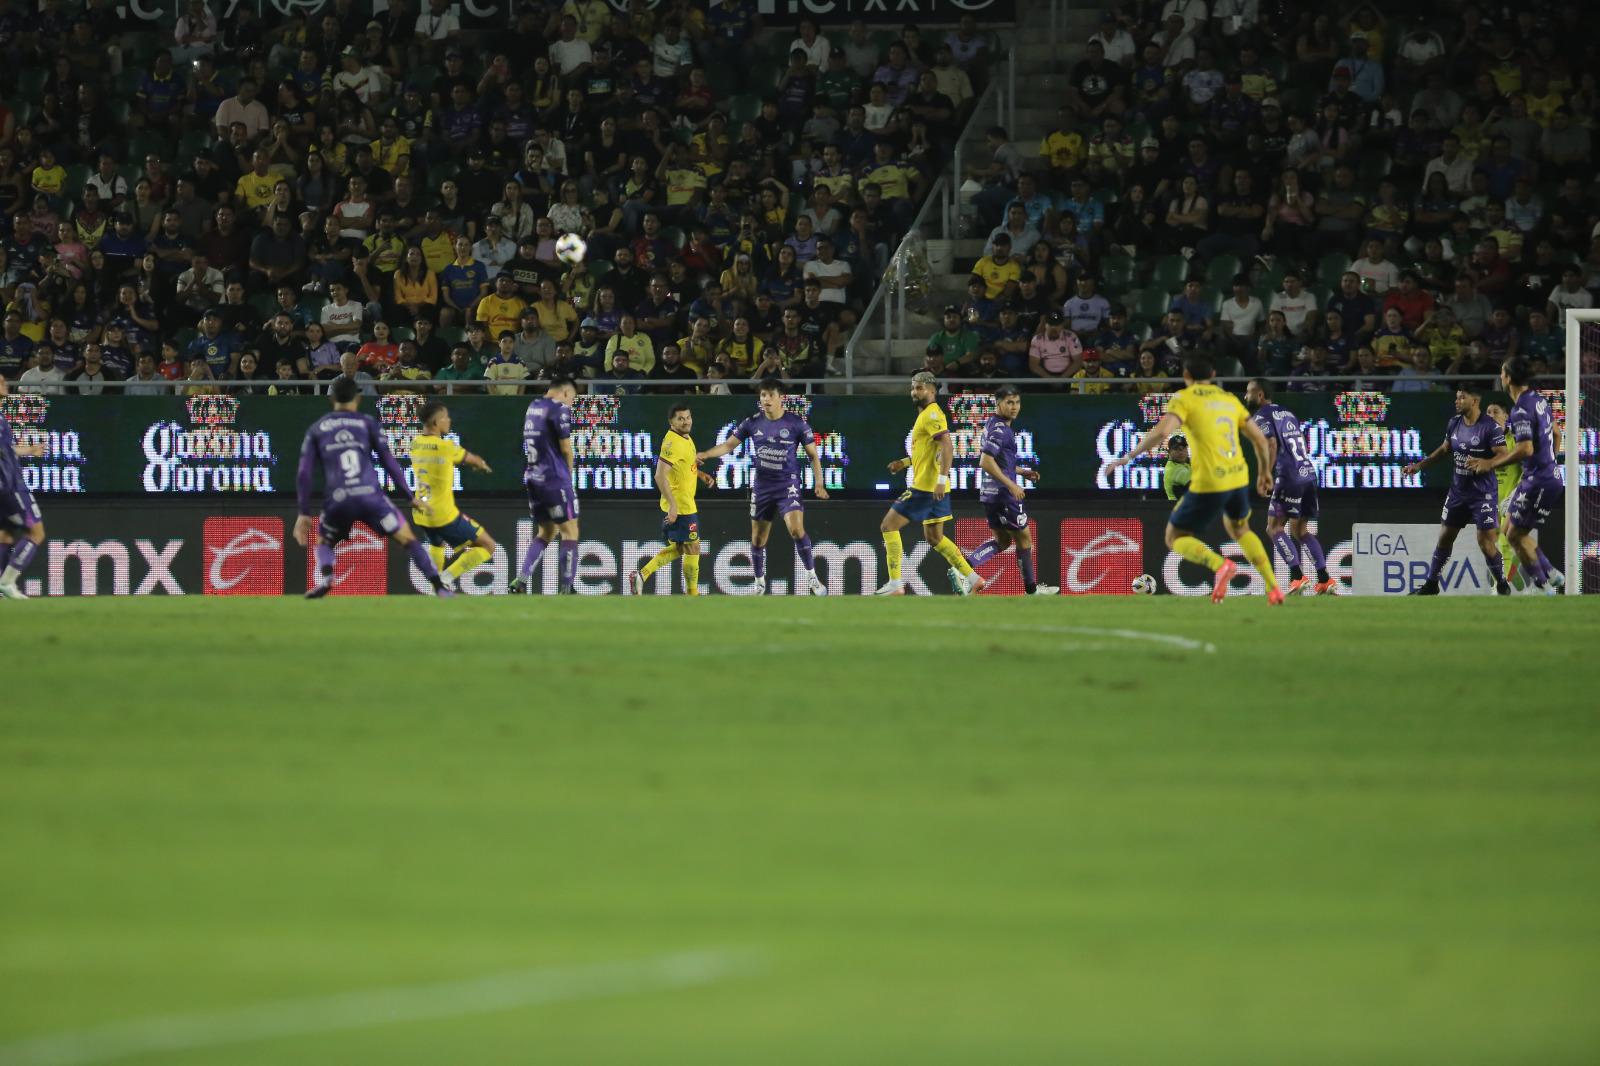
[[1028, 473], [1427, 460], [1166, 427], [899, 464], [477, 462], [1523, 450], [726, 447], [391, 466], [818, 488]]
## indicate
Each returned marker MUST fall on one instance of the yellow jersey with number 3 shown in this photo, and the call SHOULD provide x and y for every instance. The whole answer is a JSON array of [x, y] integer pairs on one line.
[[931, 427], [1211, 420], [434, 459], [677, 451]]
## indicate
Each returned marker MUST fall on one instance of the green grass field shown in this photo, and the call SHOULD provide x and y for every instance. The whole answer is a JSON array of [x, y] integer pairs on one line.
[[916, 831]]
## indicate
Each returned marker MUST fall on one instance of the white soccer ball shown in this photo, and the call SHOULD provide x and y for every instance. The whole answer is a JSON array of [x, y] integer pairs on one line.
[[570, 248], [1144, 585]]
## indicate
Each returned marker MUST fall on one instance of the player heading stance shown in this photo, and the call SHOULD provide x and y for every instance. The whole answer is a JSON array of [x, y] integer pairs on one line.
[[1538, 494], [1505, 483], [1214, 419], [21, 527], [775, 489], [1002, 494], [928, 499], [676, 478], [343, 443], [547, 476], [1294, 488], [1469, 435], [434, 514]]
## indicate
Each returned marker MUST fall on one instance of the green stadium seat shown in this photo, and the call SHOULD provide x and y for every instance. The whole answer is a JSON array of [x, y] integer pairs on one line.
[[265, 303], [599, 268], [402, 333], [1117, 272], [742, 109], [77, 175], [146, 143], [452, 334], [1329, 268], [1220, 272], [676, 235], [1170, 272], [1152, 304]]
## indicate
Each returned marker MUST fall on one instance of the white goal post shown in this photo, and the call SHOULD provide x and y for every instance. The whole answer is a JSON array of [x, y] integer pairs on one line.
[[1578, 429]]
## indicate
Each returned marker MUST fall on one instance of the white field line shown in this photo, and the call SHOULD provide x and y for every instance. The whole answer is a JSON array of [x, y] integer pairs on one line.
[[375, 1007], [1171, 640]]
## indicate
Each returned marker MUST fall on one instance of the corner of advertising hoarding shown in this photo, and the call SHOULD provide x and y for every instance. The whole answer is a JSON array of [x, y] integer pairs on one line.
[[1577, 552]]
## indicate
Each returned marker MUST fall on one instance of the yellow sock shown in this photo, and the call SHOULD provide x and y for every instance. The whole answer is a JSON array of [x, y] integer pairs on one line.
[[1193, 550], [893, 550], [660, 559], [691, 574], [436, 553], [952, 555], [1257, 554], [473, 556]]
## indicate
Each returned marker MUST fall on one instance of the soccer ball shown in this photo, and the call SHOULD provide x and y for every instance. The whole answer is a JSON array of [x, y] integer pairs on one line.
[[1144, 585], [570, 248]]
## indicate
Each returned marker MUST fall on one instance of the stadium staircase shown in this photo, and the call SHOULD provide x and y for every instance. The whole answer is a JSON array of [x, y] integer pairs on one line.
[[1041, 75]]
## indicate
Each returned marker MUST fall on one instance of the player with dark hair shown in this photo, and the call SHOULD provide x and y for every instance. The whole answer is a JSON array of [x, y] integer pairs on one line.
[[1294, 489], [1214, 420], [928, 499], [21, 526], [434, 514], [777, 437], [548, 479], [676, 478], [1469, 435], [1001, 493], [1538, 494], [343, 443]]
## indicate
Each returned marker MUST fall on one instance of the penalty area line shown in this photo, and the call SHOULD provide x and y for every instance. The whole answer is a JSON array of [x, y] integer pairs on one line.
[[1171, 640], [370, 1008]]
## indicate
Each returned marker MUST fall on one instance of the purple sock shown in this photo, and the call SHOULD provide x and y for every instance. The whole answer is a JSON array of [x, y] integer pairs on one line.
[[1496, 566], [1030, 579], [1538, 570], [803, 546], [325, 561], [759, 557], [1544, 561], [1440, 557], [1319, 558], [424, 562], [567, 556], [22, 553], [983, 553], [535, 549], [1288, 551]]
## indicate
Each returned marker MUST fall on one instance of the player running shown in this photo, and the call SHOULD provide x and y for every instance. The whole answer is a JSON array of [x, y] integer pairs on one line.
[[1002, 494], [928, 499], [21, 527], [1538, 494], [1214, 420], [1468, 436], [343, 443], [434, 515], [775, 489], [1294, 489], [548, 478], [676, 478], [1505, 483]]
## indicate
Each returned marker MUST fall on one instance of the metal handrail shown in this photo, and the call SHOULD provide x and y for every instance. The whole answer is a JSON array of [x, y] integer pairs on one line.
[[947, 185]]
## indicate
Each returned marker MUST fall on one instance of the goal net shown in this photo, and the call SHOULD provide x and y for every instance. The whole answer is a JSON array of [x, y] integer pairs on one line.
[[1582, 440]]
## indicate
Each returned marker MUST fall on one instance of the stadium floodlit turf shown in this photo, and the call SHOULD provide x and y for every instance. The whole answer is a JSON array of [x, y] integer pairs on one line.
[[795, 831]]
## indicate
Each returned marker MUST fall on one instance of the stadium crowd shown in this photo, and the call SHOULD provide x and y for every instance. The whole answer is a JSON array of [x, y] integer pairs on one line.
[[281, 198], [1374, 197], [1378, 198]]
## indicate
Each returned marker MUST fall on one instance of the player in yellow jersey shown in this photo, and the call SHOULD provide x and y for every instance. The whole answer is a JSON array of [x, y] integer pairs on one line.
[[676, 478], [1213, 420], [928, 499], [438, 521]]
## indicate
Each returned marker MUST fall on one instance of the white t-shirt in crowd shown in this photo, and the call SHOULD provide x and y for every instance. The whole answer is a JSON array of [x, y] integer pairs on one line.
[[1244, 319]]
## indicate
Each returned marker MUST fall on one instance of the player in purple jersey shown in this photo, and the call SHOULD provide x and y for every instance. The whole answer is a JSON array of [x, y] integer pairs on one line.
[[1538, 495], [552, 500], [1294, 490], [343, 443], [21, 527], [777, 438], [1001, 493], [1470, 435]]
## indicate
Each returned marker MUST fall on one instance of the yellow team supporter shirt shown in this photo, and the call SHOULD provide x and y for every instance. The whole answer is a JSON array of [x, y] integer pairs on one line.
[[996, 275], [500, 315], [1063, 148], [893, 180], [50, 180], [677, 451], [256, 189], [1211, 420], [931, 427], [394, 157], [439, 251], [434, 460]]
